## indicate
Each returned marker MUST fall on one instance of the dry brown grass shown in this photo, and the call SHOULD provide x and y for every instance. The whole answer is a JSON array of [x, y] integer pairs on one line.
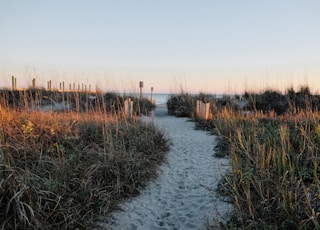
[[68, 170]]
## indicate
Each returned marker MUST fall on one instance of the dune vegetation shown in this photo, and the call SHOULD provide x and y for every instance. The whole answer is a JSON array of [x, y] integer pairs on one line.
[[70, 169], [274, 147]]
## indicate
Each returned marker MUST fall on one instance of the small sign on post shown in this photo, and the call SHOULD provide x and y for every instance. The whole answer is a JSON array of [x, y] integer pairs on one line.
[[151, 94], [141, 86]]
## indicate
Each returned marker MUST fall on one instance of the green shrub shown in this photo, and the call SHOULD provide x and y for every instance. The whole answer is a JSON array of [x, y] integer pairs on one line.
[[181, 105], [290, 102]]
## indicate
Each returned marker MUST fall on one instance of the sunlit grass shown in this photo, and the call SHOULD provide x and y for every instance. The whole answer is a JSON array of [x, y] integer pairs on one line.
[[274, 183], [275, 154], [68, 170]]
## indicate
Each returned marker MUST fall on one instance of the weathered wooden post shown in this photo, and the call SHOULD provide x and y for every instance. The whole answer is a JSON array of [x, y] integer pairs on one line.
[[198, 107], [207, 110], [203, 110], [14, 83], [63, 93], [141, 86], [151, 93], [128, 108], [33, 83], [49, 85]]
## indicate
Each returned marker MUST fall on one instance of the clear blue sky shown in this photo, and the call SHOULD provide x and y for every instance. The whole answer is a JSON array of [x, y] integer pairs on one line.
[[210, 46]]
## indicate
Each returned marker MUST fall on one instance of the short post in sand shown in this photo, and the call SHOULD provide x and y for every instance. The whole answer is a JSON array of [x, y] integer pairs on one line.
[[128, 108], [203, 110]]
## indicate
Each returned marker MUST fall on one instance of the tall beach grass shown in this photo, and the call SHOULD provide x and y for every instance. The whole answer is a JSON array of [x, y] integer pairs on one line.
[[274, 149], [274, 182], [70, 170]]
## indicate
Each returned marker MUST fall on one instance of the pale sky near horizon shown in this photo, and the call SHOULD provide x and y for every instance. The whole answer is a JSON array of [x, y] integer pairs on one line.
[[200, 46]]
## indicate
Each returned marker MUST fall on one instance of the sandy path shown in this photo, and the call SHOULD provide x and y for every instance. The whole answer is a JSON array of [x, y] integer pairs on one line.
[[183, 196]]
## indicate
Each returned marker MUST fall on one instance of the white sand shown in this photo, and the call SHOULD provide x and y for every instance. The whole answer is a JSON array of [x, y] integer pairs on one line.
[[183, 196]]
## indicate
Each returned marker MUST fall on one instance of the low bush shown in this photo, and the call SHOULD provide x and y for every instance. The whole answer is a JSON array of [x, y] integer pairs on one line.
[[181, 105], [290, 102]]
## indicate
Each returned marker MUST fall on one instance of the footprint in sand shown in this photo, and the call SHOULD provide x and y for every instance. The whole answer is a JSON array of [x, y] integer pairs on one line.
[[179, 198]]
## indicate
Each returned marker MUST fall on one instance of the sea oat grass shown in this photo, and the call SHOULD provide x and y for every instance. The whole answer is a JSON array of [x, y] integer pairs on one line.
[[274, 182], [274, 151], [69, 170]]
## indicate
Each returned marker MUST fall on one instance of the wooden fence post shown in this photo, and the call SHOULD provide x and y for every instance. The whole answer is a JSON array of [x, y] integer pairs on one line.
[[203, 110], [49, 85], [14, 83], [207, 111], [33, 83], [128, 108], [198, 107]]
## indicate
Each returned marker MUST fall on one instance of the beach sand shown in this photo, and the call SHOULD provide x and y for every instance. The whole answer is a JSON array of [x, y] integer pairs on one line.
[[183, 196]]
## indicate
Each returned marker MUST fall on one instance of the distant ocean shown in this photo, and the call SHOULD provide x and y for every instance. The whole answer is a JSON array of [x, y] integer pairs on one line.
[[162, 98], [159, 98]]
